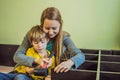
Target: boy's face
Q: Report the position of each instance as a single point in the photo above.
(40, 46)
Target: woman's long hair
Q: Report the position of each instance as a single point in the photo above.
(53, 13)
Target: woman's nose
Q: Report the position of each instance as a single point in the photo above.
(50, 31)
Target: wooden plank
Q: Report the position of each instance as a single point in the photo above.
(74, 75)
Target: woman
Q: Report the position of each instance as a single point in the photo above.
(61, 44)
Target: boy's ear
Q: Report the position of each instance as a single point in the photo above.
(31, 43)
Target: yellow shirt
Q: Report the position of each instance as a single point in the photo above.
(32, 53)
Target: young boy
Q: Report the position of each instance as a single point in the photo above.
(38, 50)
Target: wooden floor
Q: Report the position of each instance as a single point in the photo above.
(6, 69)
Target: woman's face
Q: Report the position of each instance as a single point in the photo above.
(51, 27)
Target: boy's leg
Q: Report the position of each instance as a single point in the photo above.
(7, 76)
(22, 77)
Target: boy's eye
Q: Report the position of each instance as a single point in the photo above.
(42, 41)
(36, 42)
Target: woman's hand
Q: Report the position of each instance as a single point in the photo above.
(64, 66)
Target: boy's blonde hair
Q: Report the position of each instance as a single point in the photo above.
(36, 34)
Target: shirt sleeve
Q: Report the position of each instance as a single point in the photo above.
(20, 57)
(78, 57)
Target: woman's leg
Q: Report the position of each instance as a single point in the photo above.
(22, 77)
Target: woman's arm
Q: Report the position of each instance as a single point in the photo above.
(76, 60)
(78, 57)
(20, 57)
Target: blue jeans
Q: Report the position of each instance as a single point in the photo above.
(14, 76)
(22, 77)
(7, 76)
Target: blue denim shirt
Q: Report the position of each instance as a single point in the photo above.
(69, 52)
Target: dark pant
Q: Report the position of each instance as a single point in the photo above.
(14, 76)
(7, 76)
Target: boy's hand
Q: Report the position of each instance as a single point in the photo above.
(42, 61)
(29, 70)
(49, 63)
(48, 77)
(38, 61)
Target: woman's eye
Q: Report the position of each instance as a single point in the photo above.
(47, 28)
(54, 28)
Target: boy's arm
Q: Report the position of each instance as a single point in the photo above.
(29, 70)
(48, 77)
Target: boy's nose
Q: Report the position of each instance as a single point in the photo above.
(40, 44)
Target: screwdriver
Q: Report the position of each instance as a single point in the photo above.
(50, 56)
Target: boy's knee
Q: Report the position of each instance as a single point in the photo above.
(20, 77)
(4, 76)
